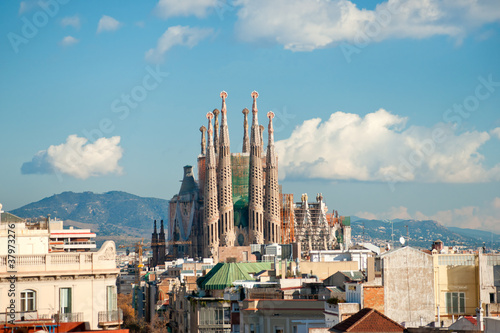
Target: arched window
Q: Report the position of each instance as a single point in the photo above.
(28, 300)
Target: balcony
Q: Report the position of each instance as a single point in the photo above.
(22, 316)
(83, 262)
(68, 317)
(110, 318)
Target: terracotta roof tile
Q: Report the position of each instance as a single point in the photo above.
(368, 320)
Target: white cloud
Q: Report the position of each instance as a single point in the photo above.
(302, 25)
(107, 23)
(177, 35)
(69, 40)
(496, 132)
(171, 8)
(71, 21)
(379, 147)
(486, 216)
(78, 158)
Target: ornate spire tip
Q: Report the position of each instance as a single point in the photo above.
(223, 94)
(210, 115)
(255, 94)
(270, 115)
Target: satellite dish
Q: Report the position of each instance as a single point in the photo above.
(402, 240)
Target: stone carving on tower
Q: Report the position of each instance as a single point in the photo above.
(225, 181)
(256, 186)
(246, 139)
(272, 228)
(211, 207)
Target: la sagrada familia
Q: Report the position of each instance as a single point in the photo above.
(236, 200)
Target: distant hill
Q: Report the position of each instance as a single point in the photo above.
(126, 218)
(116, 215)
(421, 233)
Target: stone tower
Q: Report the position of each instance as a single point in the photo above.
(154, 247)
(246, 140)
(256, 189)
(211, 208)
(216, 130)
(261, 132)
(161, 245)
(225, 181)
(203, 129)
(272, 226)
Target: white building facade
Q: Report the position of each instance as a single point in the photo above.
(64, 286)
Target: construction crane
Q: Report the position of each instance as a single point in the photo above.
(139, 248)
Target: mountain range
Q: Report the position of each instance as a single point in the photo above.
(420, 233)
(126, 218)
(119, 216)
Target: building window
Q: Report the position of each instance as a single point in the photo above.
(111, 298)
(492, 297)
(65, 300)
(455, 303)
(236, 307)
(28, 300)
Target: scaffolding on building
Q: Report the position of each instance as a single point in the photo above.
(287, 219)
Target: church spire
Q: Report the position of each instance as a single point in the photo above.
(225, 181)
(210, 210)
(255, 195)
(154, 246)
(272, 196)
(203, 129)
(246, 139)
(216, 130)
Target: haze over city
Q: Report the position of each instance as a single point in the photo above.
(390, 109)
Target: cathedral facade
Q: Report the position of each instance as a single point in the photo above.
(236, 200)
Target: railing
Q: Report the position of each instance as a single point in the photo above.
(107, 318)
(53, 262)
(30, 260)
(17, 316)
(68, 317)
(64, 259)
(80, 243)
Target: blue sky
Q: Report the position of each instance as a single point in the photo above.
(389, 109)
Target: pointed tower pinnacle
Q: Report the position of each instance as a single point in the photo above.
(211, 208)
(203, 129)
(255, 195)
(161, 245)
(225, 181)
(216, 130)
(261, 130)
(246, 139)
(272, 196)
(154, 246)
